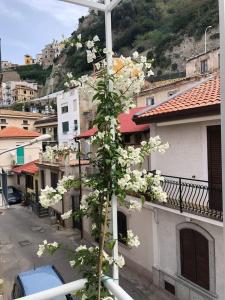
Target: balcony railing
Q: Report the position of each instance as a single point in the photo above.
(194, 196)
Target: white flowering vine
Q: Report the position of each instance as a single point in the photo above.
(111, 89)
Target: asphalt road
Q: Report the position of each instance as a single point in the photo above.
(20, 234)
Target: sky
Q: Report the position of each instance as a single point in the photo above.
(26, 26)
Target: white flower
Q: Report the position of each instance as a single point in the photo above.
(66, 215)
(98, 66)
(69, 75)
(81, 247)
(79, 37)
(135, 55)
(90, 44)
(150, 73)
(72, 263)
(143, 59)
(84, 297)
(41, 250)
(120, 261)
(96, 38)
(135, 205)
(132, 239)
(78, 45)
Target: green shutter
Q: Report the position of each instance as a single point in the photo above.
(65, 126)
(20, 156)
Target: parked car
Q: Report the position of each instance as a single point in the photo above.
(37, 280)
(14, 195)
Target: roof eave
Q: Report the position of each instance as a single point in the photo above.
(180, 114)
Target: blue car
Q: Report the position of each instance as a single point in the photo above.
(37, 280)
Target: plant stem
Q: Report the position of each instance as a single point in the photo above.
(101, 248)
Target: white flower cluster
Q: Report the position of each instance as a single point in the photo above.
(134, 156)
(132, 239)
(50, 196)
(66, 215)
(134, 205)
(46, 245)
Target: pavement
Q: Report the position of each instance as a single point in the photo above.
(21, 231)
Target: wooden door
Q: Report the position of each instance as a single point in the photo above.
(214, 167)
(194, 255)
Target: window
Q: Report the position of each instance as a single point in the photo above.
(25, 122)
(194, 257)
(75, 125)
(171, 93)
(2, 127)
(26, 128)
(29, 182)
(64, 109)
(122, 227)
(42, 179)
(150, 101)
(65, 127)
(20, 156)
(24, 92)
(43, 130)
(204, 66)
(54, 180)
(3, 121)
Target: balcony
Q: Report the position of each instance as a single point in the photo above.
(194, 196)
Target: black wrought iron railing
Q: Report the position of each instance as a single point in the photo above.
(194, 196)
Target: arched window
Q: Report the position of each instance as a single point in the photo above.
(194, 257)
(122, 227)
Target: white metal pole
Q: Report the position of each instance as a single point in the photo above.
(222, 85)
(108, 37)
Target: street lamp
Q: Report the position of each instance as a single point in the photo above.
(107, 6)
(207, 28)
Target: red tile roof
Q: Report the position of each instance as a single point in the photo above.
(15, 132)
(127, 125)
(29, 168)
(203, 98)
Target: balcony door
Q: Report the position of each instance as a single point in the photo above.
(214, 167)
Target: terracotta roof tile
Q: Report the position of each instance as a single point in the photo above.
(127, 125)
(29, 168)
(15, 132)
(203, 95)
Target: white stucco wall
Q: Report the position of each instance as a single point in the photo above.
(167, 244)
(70, 99)
(187, 154)
(8, 159)
(139, 259)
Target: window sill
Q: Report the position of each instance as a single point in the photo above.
(196, 287)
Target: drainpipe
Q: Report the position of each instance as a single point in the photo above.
(80, 187)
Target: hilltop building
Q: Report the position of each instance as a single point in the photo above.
(204, 63)
(18, 91)
(28, 60)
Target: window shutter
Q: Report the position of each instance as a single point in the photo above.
(187, 251)
(194, 252)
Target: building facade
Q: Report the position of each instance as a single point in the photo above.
(19, 119)
(13, 90)
(49, 125)
(23, 93)
(188, 231)
(204, 63)
(68, 116)
(13, 137)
